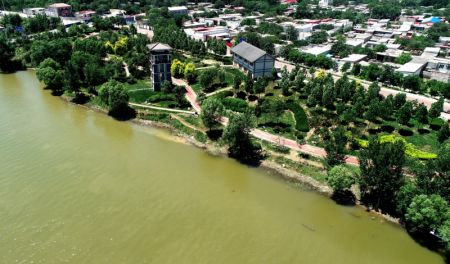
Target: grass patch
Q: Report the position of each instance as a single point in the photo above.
(305, 169)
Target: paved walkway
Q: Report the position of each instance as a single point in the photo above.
(163, 108)
(219, 91)
(263, 135)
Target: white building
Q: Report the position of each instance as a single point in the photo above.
(205, 33)
(411, 68)
(178, 10)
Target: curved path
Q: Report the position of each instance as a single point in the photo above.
(263, 135)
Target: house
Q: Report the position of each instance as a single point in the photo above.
(438, 69)
(59, 10)
(252, 60)
(178, 10)
(412, 68)
(160, 61)
(85, 15)
(318, 50)
(354, 58)
(205, 33)
(31, 12)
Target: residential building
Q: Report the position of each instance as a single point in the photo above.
(31, 12)
(59, 10)
(160, 61)
(178, 10)
(317, 50)
(252, 60)
(412, 68)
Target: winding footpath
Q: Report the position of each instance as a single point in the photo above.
(263, 135)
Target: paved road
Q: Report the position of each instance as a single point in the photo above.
(263, 135)
(385, 91)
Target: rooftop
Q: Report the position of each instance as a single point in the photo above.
(158, 46)
(59, 5)
(410, 67)
(248, 51)
(354, 58)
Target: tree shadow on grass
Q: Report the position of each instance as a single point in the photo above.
(123, 113)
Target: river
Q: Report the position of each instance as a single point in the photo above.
(79, 187)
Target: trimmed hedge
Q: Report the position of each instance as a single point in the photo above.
(301, 120)
(410, 150)
(235, 104)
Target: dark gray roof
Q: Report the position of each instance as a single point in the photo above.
(248, 51)
(158, 46)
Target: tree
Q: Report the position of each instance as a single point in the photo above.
(405, 195)
(422, 114)
(189, 72)
(237, 137)
(356, 70)
(237, 82)
(346, 67)
(436, 108)
(212, 109)
(260, 85)
(399, 100)
(210, 77)
(177, 68)
(113, 94)
(443, 133)
(412, 82)
(404, 114)
(249, 83)
(444, 233)
(328, 97)
(373, 92)
(335, 146)
(403, 58)
(291, 33)
(426, 213)
(340, 178)
(381, 166)
(6, 54)
(373, 111)
(51, 73)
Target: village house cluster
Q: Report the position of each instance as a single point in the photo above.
(226, 23)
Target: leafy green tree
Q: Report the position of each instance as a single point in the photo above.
(443, 133)
(403, 58)
(335, 146)
(340, 178)
(373, 111)
(212, 109)
(113, 94)
(381, 166)
(237, 137)
(237, 82)
(405, 195)
(260, 85)
(444, 233)
(346, 67)
(373, 92)
(356, 70)
(404, 114)
(177, 68)
(190, 73)
(422, 114)
(426, 213)
(249, 83)
(51, 73)
(387, 106)
(328, 97)
(412, 82)
(436, 108)
(6, 54)
(399, 100)
(291, 33)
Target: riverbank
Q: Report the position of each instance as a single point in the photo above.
(270, 165)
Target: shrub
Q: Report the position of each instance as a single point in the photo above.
(235, 104)
(301, 120)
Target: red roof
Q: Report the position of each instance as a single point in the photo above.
(289, 1)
